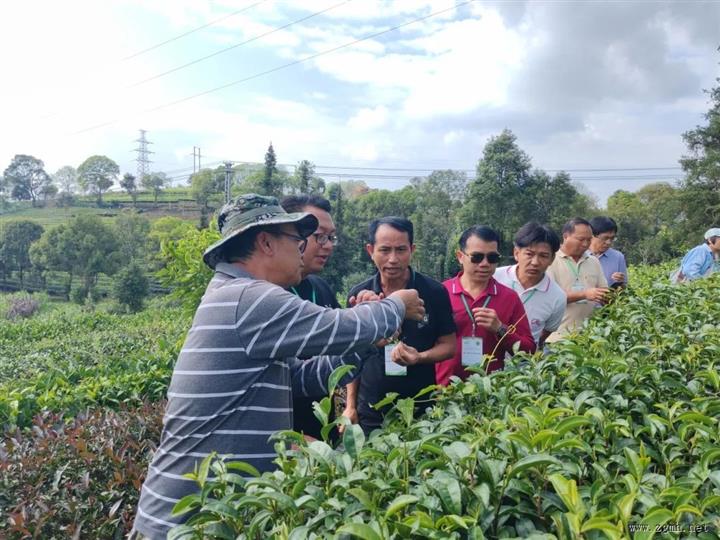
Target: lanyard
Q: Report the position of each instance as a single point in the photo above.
(528, 297)
(296, 293)
(575, 270)
(467, 309)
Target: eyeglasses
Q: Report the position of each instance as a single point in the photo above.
(302, 242)
(476, 258)
(606, 239)
(323, 239)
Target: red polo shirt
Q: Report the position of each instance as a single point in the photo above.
(510, 310)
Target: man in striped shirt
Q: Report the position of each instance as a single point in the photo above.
(232, 384)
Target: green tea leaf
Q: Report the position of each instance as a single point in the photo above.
(353, 440)
(533, 461)
(360, 530)
(399, 503)
(337, 374)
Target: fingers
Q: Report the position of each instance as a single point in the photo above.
(352, 301)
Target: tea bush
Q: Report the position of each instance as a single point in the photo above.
(22, 305)
(70, 359)
(79, 479)
(615, 434)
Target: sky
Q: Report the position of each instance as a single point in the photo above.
(374, 90)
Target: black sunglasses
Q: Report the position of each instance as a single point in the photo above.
(477, 258)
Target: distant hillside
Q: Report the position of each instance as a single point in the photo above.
(175, 202)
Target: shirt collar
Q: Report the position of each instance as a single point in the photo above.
(543, 285)
(564, 255)
(232, 270)
(377, 284)
(457, 287)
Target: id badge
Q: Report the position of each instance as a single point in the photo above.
(391, 368)
(472, 351)
(577, 286)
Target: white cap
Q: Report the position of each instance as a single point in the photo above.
(715, 231)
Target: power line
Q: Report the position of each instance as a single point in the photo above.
(283, 66)
(185, 34)
(231, 47)
(175, 38)
(431, 169)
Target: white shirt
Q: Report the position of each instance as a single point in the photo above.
(544, 303)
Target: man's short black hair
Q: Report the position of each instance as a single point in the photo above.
(241, 247)
(535, 233)
(603, 224)
(569, 227)
(398, 223)
(295, 203)
(483, 232)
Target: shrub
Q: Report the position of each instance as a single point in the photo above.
(76, 480)
(131, 287)
(615, 434)
(184, 271)
(22, 307)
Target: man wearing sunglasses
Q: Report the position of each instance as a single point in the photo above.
(313, 288)
(490, 318)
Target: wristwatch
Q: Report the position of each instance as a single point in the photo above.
(501, 331)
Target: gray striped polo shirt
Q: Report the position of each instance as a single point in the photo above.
(233, 381)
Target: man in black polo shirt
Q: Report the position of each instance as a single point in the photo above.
(312, 287)
(407, 367)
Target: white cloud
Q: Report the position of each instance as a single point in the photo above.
(369, 118)
(366, 151)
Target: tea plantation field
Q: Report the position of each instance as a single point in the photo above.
(614, 434)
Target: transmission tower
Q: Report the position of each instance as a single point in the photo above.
(228, 180)
(143, 161)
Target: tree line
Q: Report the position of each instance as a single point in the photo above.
(656, 223)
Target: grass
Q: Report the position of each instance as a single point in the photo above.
(49, 217)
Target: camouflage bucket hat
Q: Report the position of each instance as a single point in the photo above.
(252, 210)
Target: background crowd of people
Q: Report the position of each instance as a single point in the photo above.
(269, 330)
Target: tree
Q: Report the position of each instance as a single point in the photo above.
(48, 191)
(3, 192)
(155, 182)
(66, 179)
(84, 246)
(269, 171)
(507, 193)
(164, 230)
(129, 184)
(497, 197)
(436, 200)
(701, 186)
(303, 174)
(16, 237)
(131, 287)
(132, 231)
(27, 177)
(97, 174)
(207, 185)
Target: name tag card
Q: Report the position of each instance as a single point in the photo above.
(391, 368)
(472, 351)
(577, 286)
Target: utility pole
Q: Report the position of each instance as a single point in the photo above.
(228, 180)
(143, 159)
(196, 155)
